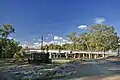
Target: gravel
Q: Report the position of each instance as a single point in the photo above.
(60, 72)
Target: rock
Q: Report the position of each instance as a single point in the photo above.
(67, 69)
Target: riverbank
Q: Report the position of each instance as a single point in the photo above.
(99, 69)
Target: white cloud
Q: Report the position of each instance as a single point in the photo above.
(65, 40)
(118, 35)
(53, 42)
(99, 20)
(60, 38)
(33, 39)
(15, 39)
(44, 43)
(36, 43)
(39, 40)
(10, 37)
(57, 38)
(82, 26)
(46, 38)
(49, 34)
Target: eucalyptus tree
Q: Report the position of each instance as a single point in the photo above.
(46, 47)
(104, 36)
(98, 37)
(84, 40)
(19, 55)
(11, 47)
(111, 38)
(66, 46)
(5, 31)
(7, 46)
(72, 37)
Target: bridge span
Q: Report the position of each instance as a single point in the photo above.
(73, 54)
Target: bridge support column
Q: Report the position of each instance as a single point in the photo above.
(83, 56)
(103, 55)
(79, 55)
(54, 55)
(60, 55)
(66, 55)
(95, 56)
(57, 55)
(50, 55)
(89, 56)
(74, 55)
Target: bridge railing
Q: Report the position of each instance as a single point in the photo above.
(73, 52)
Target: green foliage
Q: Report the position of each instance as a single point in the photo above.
(66, 46)
(72, 37)
(98, 37)
(7, 46)
(19, 55)
(6, 30)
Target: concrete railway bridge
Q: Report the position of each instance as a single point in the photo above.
(73, 54)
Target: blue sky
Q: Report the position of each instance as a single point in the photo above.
(33, 18)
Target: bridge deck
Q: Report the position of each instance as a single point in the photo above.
(73, 52)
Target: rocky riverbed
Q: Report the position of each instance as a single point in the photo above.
(75, 70)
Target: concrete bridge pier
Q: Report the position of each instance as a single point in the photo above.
(57, 55)
(50, 55)
(103, 55)
(92, 56)
(54, 55)
(83, 56)
(66, 55)
(89, 56)
(60, 55)
(74, 55)
(95, 56)
(79, 55)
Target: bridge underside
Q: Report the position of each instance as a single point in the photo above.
(76, 55)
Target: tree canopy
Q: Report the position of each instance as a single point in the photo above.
(98, 37)
(8, 47)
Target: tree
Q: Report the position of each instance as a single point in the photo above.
(51, 46)
(66, 46)
(103, 36)
(19, 55)
(98, 37)
(5, 31)
(8, 46)
(11, 48)
(72, 37)
(46, 47)
(84, 40)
